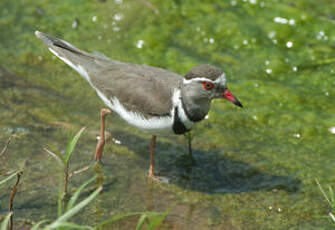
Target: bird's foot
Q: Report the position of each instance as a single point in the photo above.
(159, 179)
(98, 160)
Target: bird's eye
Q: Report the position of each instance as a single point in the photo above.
(208, 85)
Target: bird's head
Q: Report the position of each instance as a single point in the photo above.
(206, 82)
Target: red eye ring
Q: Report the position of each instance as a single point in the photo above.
(208, 85)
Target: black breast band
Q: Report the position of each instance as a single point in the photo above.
(178, 126)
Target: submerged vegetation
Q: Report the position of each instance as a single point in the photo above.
(67, 208)
(330, 198)
(259, 161)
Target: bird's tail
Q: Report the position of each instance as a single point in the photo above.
(79, 60)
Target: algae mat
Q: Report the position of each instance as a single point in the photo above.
(255, 167)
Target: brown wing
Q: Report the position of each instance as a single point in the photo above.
(139, 88)
(143, 89)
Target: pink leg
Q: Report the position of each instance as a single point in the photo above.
(101, 142)
(151, 174)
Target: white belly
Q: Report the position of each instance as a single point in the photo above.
(154, 125)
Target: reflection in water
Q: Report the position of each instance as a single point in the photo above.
(211, 172)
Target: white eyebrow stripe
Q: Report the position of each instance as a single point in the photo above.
(221, 79)
(186, 81)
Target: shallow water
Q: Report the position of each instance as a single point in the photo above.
(255, 167)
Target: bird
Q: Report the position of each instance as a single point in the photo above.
(152, 99)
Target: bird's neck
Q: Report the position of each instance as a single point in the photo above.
(195, 110)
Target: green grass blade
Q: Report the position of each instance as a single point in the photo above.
(74, 210)
(72, 145)
(37, 225)
(141, 222)
(156, 221)
(75, 196)
(8, 178)
(5, 222)
(323, 192)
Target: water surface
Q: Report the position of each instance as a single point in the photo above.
(255, 167)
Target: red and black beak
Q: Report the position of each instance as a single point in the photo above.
(230, 97)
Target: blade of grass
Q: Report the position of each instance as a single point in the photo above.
(72, 144)
(323, 192)
(12, 196)
(4, 150)
(5, 222)
(83, 169)
(141, 221)
(59, 158)
(75, 196)
(332, 216)
(74, 210)
(37, 225)
(157, 220)
(8, 178)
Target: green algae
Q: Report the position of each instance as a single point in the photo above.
(255, 167)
